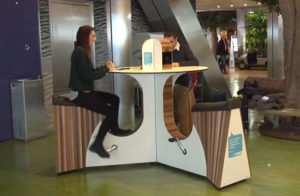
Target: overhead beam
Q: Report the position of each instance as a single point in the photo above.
(179, 15)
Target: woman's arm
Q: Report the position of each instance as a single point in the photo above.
(85, 68)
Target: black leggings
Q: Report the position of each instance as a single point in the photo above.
(222, 63)
(102, 103)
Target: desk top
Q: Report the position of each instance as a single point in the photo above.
(138, 70)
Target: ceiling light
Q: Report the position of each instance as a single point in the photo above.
(231, 5)
(259, 3)
(218, 6)
(245, 4)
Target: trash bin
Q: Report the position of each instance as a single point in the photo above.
(28, 111)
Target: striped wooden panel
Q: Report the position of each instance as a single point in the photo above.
(169, 111)
(212, 128)
(74, 127)
(48, 94)
(46, 62)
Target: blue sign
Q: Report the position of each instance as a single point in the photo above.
(147, 58)
(235, 145)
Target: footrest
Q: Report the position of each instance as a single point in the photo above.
(182, 148)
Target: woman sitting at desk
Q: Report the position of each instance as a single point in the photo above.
(82, 93)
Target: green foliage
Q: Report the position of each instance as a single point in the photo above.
(215, 19)
(256, 33)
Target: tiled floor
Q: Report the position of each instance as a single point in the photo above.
(29, 169)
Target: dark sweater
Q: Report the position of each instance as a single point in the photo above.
(82, 73)
(222, 47)
(184, 57)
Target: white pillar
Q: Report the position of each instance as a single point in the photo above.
(121, 39)
(275, 46)
(241, 30)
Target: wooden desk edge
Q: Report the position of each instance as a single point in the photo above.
(173, 70)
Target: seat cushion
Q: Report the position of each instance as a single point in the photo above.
(61, 100)
(217, 106)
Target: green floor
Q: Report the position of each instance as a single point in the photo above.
(29, 169)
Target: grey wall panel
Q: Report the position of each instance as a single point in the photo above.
(121, 31)
(121, 36)
(66, 18)
(139, 22)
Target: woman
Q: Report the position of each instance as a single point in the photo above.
(82, 93)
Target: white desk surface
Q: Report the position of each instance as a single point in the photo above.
(138, 70)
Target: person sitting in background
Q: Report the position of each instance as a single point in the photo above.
(82, 93)
(183, 96)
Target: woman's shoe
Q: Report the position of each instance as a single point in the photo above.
(99, 150)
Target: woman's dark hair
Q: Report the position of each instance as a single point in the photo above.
(82, 38)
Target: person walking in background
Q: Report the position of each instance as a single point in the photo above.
(222, 51)
(82, 93)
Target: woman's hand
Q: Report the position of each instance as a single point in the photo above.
(110, 65)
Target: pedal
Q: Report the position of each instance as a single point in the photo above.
(181, 147)
(112, 148)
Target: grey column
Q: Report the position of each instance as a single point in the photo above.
(241, 30)
(121, 39)
(275, 46)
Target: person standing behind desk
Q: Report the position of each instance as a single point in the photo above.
(82, 93)
(222, 51)
(182, 56)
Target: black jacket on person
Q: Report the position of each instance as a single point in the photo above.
(184, 57)
(83, 73)
(222, 48)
